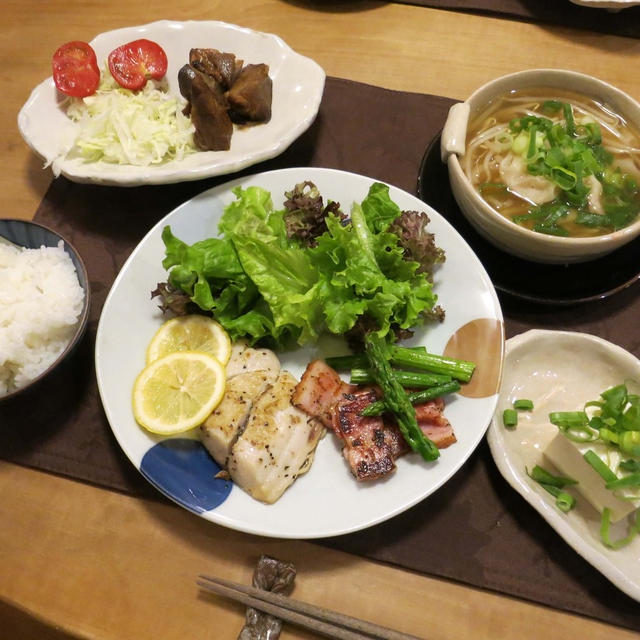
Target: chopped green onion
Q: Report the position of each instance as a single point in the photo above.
(595, 135)
(567, 152)
(629, 442)
(539, 474)
(568, 116)
(510, 417)
(564, 501)
(555, 157)
(535, 213)
(606, 434)
(600, 467)
(632, 480)
(615, 398)
(563, 178)
(574, 424)
(551, 106)
(551, 229)
(554, 485)
(531, 150)
(568, 419)
(630, 465)
(605, 525)
(523, 404)
(593, 220)
(520, 143)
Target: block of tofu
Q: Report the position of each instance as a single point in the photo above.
(567, 457)
(277, 445)
(221, 429)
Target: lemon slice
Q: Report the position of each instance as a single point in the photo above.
(178, 392)
(190, 333)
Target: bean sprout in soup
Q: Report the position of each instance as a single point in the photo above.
(555, 162)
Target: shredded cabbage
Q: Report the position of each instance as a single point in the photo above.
(130, 127)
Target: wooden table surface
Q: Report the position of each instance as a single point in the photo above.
(77, 561)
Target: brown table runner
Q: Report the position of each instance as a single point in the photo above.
(475, 529)
(561, 13)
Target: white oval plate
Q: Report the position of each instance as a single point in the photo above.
(327, 500)
(560, 371)
(298, 83)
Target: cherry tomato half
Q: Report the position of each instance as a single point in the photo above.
(75, 69)
(134, 63)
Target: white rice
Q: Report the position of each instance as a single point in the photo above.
(40, 304)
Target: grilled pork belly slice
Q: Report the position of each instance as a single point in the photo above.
(221, 429)
(277, 445)
(371, 445)
(433, 423)
(318, 391)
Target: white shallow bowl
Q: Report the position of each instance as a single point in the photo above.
(298, 84)
(561, 370)
(503, 233)
(327, 500)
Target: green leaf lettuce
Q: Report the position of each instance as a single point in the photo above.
(261, 284)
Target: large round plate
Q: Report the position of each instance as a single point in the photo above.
(298, 83)
(560, 371)
(327, 500)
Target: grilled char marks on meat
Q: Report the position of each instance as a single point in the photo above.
(371, 445)
(319, 390)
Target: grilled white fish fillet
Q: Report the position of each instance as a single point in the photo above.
(277, 445)
(245, 358)
(221, 429)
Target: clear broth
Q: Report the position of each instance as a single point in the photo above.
(483, 160)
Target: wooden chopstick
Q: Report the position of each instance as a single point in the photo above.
(324, 621)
